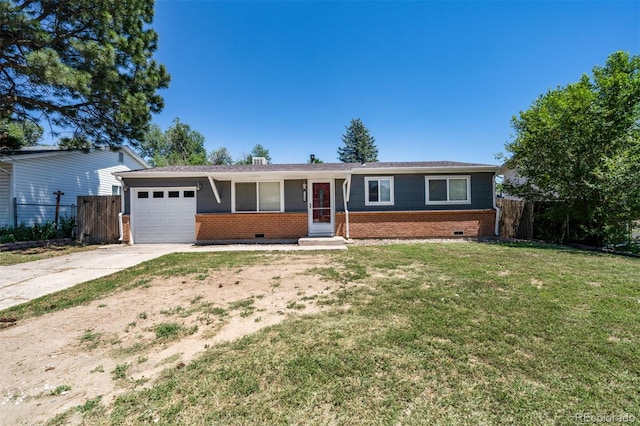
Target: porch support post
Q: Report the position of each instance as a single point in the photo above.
(215, 188)
(346, 191)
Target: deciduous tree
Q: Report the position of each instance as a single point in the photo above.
(257, 151)
(220, 157)
(15, 135)
(177, 146)
(579, 148)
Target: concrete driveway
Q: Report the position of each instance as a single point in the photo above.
(26, 281)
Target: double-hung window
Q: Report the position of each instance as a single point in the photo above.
(448, 189)
(378, 191)
(257, 196)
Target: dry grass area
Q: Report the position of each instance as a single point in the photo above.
(123, 341)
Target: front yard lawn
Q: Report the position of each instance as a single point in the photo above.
(434, 334)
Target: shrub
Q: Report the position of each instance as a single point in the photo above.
(7, 238)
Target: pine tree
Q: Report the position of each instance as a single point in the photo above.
(85, 66)
(359, 145)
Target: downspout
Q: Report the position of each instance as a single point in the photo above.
(495, 206)
(120, 224)
(346, 191)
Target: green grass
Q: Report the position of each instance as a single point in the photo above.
(29, 255)
(59, 390)
(439, 334)
(120, 371)
(91, 338)
(433, 334)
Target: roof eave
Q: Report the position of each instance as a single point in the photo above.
(289, 174)
(429, 170)
(305, 174)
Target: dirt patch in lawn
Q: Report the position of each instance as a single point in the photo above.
(64, 359)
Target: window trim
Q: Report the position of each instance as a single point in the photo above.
(391, 201)
(447, 178)
(257, 182)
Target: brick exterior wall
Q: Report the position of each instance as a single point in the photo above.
(245, 226)
(423, 224)
(126, 229)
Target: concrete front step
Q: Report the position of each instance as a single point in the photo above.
(321, 241)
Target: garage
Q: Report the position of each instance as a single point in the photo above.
(163, 215)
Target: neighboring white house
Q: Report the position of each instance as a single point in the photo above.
(30, 177)
(511, 175)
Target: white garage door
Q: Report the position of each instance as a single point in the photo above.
(163, 215)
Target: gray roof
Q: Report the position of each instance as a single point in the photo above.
(321, 167)
(54, 150)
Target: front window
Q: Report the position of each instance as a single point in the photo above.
(258, 196)
(378, 191)
(448, 189)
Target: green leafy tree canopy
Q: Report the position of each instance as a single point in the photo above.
(220, 157)
(85, 66)
(15, 135)
(257, 151)
(579, 147)
(359, 145)
(179, 145)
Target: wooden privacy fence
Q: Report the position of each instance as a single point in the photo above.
(98, 219)
(516, 219)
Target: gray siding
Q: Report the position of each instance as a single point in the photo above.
(293, 201)
(339, 198)
(409, 194)
(206, 201)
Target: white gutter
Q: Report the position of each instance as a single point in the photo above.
(422, 170)
(346, 191)
(305, 174)
(495, 206)
(215, 188)
(120, 224)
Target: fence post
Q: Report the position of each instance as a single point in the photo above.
(57, 194)
(15, 212)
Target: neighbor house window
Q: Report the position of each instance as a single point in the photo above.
(115, 189)
(378, 191)
(448, 189)
(258, 196)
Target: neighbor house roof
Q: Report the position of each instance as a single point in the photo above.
(319, 169)
(50, 151)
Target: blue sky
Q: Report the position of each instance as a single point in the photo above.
(432, 80)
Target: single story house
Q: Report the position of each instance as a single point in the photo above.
(204, 204)
(30, 179)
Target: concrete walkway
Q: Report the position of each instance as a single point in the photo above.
(26, 281)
